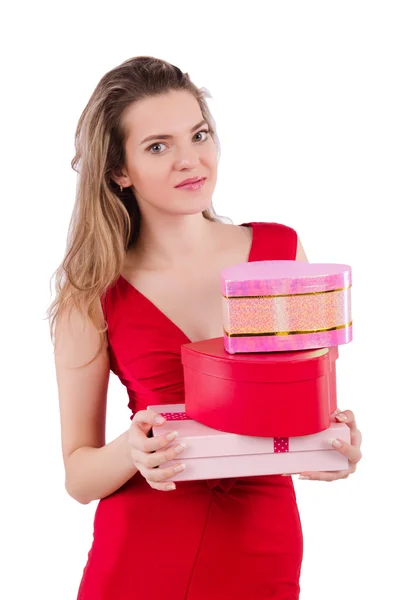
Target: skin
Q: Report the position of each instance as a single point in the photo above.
(177, 247)
(351, 451)
(176, 264)
(172, 225)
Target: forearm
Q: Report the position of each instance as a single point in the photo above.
(93, 473)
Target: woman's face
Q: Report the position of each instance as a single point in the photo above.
(154, 167)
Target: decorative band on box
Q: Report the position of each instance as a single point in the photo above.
(288, 332)
(278, 299)
(288, 295)
(298, 313)
(280, 444)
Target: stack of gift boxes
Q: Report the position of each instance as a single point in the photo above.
(258, 401)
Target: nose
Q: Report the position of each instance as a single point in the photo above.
(187, 157)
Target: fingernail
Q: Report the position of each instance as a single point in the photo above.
(336, 443)
(304, 477)
(171, 486)
(179, 468)
(341, 417)
(180, 448)
(159, 420)
(172, 435)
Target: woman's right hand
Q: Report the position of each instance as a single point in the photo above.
(149, 453)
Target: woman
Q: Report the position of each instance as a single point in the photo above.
(141, 278)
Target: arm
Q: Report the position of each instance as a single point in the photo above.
(93, 469)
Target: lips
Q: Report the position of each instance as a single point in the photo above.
(191, 180)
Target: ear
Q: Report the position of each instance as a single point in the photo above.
(120, 178)
(300, 253)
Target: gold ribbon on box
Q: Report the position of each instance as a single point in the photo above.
(344, 326)
(287, 295)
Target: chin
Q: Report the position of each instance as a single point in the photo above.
(196, 207)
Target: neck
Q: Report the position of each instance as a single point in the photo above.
(166, 241)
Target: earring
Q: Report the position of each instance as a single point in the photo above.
(121, 188)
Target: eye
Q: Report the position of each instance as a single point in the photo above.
(202, 131)
(153, 146)
(161, 144)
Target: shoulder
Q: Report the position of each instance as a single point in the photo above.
(300, 252)
(273, 228)
(279, 239)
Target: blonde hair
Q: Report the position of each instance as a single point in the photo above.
(105, 222)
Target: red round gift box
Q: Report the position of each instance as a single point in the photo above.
(272, 394)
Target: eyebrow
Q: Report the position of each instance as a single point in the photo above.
(165, 136)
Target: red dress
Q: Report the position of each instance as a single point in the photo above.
(229, 539)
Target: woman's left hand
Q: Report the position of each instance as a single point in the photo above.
(351, 451)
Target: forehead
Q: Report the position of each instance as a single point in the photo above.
(172, 113)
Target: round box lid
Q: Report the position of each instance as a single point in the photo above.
(283, 277)
(210, 357)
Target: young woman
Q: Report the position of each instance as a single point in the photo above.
(140, 278)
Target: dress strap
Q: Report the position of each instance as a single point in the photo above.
(273, 241)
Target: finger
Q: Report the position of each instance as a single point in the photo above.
(325, 475)
(167, 486)
(356, 438)
(355, 434)
(347, 417)
(336, 411)
(161, 474)
(152, 460)
(352, 453)
(140, 440)
(146, 419)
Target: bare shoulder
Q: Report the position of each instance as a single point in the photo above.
(300, 252)
(232, 245)
(241, 236)
(235, 234)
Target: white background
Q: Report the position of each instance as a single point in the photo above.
(304, 97)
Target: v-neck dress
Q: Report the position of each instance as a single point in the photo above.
(219, 539)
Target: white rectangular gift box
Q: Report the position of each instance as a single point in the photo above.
(212, 454)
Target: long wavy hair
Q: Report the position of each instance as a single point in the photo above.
(105, 222)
